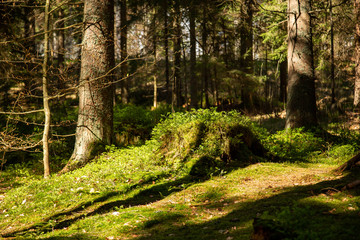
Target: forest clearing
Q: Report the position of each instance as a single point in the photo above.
(170, 119)
(165, 190)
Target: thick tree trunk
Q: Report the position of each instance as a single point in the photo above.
(46, 134)
(193, 81)
(357, 54)
(301, 103)
(95, 120)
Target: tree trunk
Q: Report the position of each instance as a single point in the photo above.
(166, 46)
(155, 59)
(95, 120)
(61, 35)
(225, 54)
(357, 54)
(46, 134)
(246, 33)
(29, 29)
(267, 80)
(246, 50)
(332, 54)
(301, 103)
(117, 51)
(176, 100)
(123, 53)
(193, 81)
(205, 58)
(283, 81)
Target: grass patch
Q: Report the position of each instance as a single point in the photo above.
(150, 191)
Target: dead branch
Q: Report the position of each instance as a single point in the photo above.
(22, 113)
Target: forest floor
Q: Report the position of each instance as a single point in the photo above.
(97, 202)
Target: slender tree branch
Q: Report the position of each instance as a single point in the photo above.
(22, 113)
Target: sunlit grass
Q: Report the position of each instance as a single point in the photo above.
(134, 193)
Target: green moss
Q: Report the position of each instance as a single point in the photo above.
(202, 142)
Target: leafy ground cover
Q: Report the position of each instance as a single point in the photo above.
(157, 191)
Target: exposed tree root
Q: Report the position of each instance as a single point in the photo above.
(353, 162)
(350, 164)
(351, 185)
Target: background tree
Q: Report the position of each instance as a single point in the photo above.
(233, 53)
(193, 80)
(46, 134)
(357, 53)
(124, 81)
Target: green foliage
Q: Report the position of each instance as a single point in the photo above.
(146, 190)
(274, 12)
(294, 144)
(209, 117)
(340, 151)
(133, 124)
(198, 143)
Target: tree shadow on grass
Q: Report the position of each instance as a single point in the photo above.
(314, 220)
(144, 197)
(78, 236)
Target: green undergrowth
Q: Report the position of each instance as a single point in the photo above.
(133, 124)
(204, 142)
(203, 175)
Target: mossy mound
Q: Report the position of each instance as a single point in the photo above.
(203, 142)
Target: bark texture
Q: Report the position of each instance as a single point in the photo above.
(246, 49)
(205, 57)
(95, 121)
(176, 96)
(46, 133)
(246, 40)
(29, 30)
(301, 103)
(166, 46)
(283, 81)
(357, 54)
(154, 37)
(60, 35)
(123, 52)
(193, 81)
